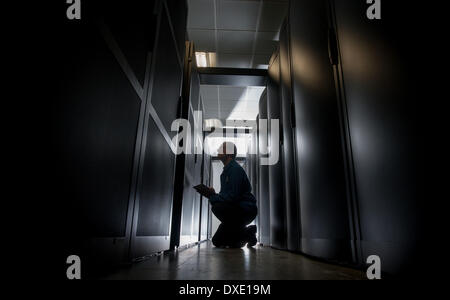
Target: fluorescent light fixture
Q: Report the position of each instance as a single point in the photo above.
(205, 59)
(212, 59)
(210, 123)
(201, 59)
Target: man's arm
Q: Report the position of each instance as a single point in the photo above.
(232, 190)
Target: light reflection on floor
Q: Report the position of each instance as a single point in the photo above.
(205, 262)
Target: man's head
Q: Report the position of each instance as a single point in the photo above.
(227, 152)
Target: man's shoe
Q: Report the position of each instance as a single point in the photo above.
(237, 245)
(251, 235)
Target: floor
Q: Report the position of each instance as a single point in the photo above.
(205, 262)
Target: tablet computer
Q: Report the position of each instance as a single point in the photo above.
(203, 190)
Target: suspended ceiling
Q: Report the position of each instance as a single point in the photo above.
(242, 33)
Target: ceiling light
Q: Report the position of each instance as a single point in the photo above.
(201, 59)
(206, 59)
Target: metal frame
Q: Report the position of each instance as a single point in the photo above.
(291, 126)
(353, 209)
(233, 76)
(180, 171)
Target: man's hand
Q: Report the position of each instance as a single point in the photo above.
(212, 190)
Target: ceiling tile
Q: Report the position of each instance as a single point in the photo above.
(235, 41)
(209, 96)
(204, 40)
(254, 93)
(209, 91)
(210, 115)
(231, 92)
(233, 60)
(201, 14)
(237, 14)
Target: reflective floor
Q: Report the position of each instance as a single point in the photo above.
(205, 262)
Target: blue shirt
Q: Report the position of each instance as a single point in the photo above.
(234, 187)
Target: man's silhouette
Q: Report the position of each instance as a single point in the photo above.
(235, 205)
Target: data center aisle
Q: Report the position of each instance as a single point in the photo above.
(205, 262)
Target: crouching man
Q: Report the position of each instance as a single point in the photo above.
(235, 205)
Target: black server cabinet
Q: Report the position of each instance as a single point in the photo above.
(256, 186)
(255, 179)
(204, 178)
(205, 208)
(251, 161)
(276, 192)
(95, 129)
(191, 199)
(319, 153)
(178, 11)
(287, 139)
(264, 189)
(254, 161)
(109, 130)
(155, 186)
(208, 180)
(380, 81)
(194, 209)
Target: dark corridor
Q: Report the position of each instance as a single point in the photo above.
(323, 105)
